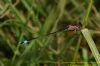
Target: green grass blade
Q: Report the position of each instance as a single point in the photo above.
(85, 20)
(85, 56)
(18, 15)
(92, 45)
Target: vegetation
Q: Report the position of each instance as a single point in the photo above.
(22, 20)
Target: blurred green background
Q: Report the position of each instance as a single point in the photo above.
(25, 19)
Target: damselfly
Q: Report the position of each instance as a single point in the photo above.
(70, 27)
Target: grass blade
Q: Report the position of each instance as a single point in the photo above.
(92, 45)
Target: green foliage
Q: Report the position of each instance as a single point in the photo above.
(25, 19)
